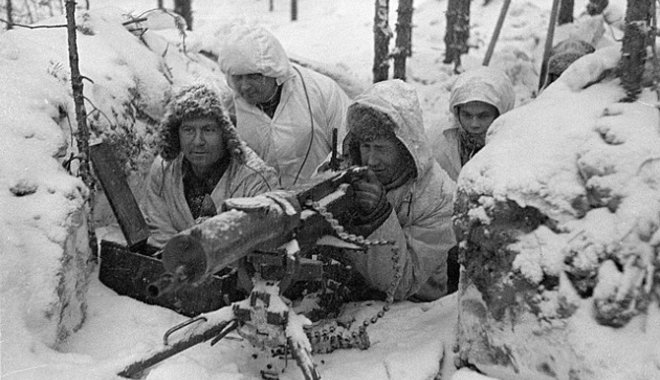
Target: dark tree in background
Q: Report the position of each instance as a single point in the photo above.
(271, 6)
(382, 35)
(160, 4)
(184, 8)
(294, 10)
(566, 12)
(10, 17)
(637, 38)
(596, 7)
(457, 32)
(403, 38)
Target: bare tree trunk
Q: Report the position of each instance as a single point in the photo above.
(184, 8)
(82, 131)
(596, 7)
(10, 17)
(160, 4)
(566, 12)
(636, 39)
(457, 31)
(271, 6)
(382, 35)
(294, 10)
(403, 38)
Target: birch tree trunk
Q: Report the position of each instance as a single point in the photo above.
(566, 12)
(403, 38)
(10, 17)
(636, 39)
(184, 8)
(382, 35)
(294, 10)
(457, 31)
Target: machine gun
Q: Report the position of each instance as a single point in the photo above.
(269, 232)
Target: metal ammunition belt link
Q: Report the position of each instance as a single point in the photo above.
(326, 339)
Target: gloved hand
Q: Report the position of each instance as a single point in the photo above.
(368, 193)
(373, 208)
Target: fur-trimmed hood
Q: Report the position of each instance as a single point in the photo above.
(196, 101)
(398, 101)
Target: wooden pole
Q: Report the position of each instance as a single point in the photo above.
(548, 43)
(496, 32)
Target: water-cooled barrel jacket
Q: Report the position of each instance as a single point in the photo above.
(420, 223)
(307, 98)
(484, 84)
(166, 210)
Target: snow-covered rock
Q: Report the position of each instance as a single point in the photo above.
(559, 218)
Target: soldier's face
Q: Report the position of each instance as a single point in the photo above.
(254, 88)
(202, 142)
(384, 157)
(475, 117)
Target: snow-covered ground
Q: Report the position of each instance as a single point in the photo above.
(412, 341)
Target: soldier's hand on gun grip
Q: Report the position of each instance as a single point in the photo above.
(371, 201)
(369, 193)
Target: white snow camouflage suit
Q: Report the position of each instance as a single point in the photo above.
(284, 141)
(165, 208)
(420, 222)
(483, 84)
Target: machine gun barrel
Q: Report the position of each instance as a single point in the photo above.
(264, 222)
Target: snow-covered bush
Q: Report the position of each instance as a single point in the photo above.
(559, 217)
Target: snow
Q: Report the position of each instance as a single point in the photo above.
(412, 341)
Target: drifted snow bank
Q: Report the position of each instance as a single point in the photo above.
(45, 261)
(559, 217)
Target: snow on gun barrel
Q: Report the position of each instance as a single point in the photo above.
(264, 222)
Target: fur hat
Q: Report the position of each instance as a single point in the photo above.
(366, 124)
(193, 102)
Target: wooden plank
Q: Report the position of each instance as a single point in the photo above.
(120, 196)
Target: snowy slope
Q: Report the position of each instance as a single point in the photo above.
(409, 342)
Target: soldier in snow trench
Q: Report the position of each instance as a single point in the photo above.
(406, 198)
(284, 112)
(202, 162)
(477, 98)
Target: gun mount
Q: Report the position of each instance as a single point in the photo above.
(269, 232)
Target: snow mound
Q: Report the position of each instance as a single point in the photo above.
(559, 216)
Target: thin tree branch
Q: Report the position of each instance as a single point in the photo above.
(33, 26)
